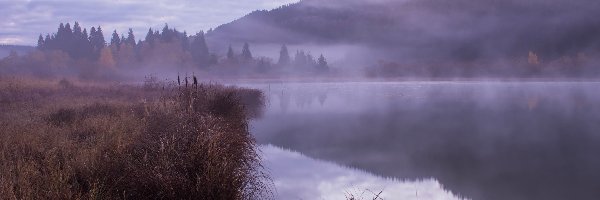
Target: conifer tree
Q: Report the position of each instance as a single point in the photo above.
(67, 44)
(115, 40)
(322, 63)
(300, 60)
(85, 43)
(40, 43)
(284, 56)
(246, 54)
(123, 39)
(84, 35)
(199, 50)
(230, 54)
(167, 34)
(130, 38)
(60, 35)
(185, 43)
(150, 37)
(92, 37)
(310, 60)
(101, 43)
(48, 42)
(77, 30)
(97, 42)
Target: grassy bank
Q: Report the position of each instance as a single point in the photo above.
(69, 140)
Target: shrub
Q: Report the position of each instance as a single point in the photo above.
(105, 144)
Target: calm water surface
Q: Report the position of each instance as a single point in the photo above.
(480, 140)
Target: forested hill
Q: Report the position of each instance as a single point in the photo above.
(465, 29)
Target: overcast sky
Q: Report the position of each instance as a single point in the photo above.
(22, 21)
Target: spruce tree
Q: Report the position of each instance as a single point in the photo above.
(77, 32)
(85, 44)
(246, 54)
(310, 60)
(300, 60)
(322, 63)
(92, 36)
(48, 43)
(284, 56)
(40, 43)
(68, 41)
(60, 34)
(166, 35)
(101, 43)
(123, 39)
(230, 54)
(97, 42)
(150, 37)
(199, 50)
(185, 42)
(130, 38)
(115, 40)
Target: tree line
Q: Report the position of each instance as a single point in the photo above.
(78, 44)
(73, 46)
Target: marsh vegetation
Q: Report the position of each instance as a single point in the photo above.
(77, 140)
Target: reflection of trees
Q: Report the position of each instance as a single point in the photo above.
(492, 149)
(284, 100)
(322, 96)
(302, 99)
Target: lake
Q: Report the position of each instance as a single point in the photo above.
(475, 140)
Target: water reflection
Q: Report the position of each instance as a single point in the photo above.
(298, 177)
(480, 140)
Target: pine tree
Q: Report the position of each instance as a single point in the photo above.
(150, 37)
(48, 43)
(68, 41)
(115, 40)
(77, 30)
(185, 43)
(230, 54)
(40, 43)
(60, 34)
(68, 32)
(246, 54)
(300, 60)
(322, 64)
(310, 60)
(79, 42)
(92, 33)
(85, 44)
(101, 43)
(60, 38)
(97, 42)
(123, 40)
(130, 38)
(199, 50)
(85, 35)
(284, 56)
(167, 34)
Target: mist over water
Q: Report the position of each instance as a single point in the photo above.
(480, 140)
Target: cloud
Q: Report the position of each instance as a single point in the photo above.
(24, 20)
(296, 176)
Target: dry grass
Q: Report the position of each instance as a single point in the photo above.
(355, 195)
(61, 140)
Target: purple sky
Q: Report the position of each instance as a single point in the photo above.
(23, 20)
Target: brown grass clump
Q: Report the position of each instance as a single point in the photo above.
(128, 142)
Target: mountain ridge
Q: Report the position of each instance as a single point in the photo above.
(461, 29)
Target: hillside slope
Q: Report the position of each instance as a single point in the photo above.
(462, 29)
